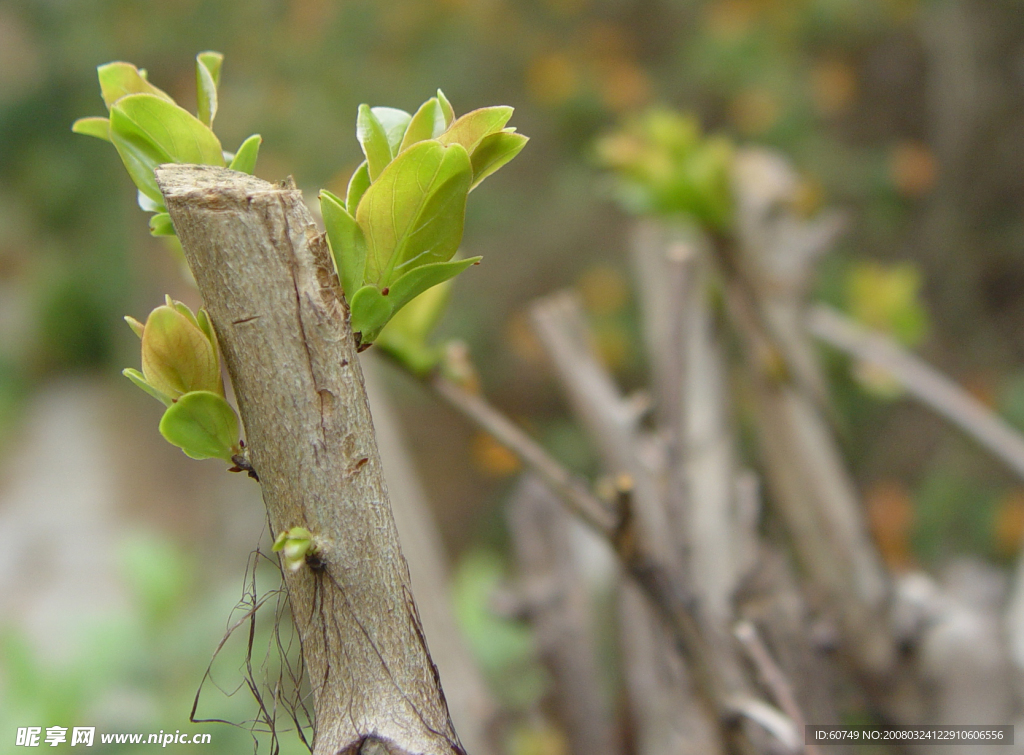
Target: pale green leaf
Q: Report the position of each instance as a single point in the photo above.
(98, 127)
(357, 186)
(148, 205)
(181, 308)
(405, 335)
(417, 318)
(136, 377)
(245, 158)
(171, 128)
(422, 277)
(177, 356)
(203, 319)
(414, 213)
(470, 129)
(395, 122)
(446, 109)
(139, 155)
(348, 246)
(493, 152)
(370, 311)
(203, 425)
(295, 533)
(135, 325)
(161, 225)
(374, 141)
(148, 131)
(118, 80)
(427, 123)
(207, 79)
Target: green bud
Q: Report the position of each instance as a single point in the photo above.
(294, 544)
(179, 353)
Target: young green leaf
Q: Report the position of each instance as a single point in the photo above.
(357, 186)
(207, 79)
(136, 377)
(148, 205)
(177, 356)
(395, 122)
(422, 277)
(182, 309)
(405, 335)
(169, 127)
(139, 155)
(203, 425)
(160, 225)
(345, 237)
(370, 311)
(98, 127)
(446, 109)
(427, 123)
(493, 152)
(414, 213)
(136, 326)
(148, 131)
(418, 318)
(118, 80)
(374, 141)
(203, 320)
(245, 158)
(470, 129)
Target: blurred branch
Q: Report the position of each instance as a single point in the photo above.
(773, 678)
(568, 487)
(662, 531)
(764, 270)
(691, 390)
(560, 614)
(923, 382)
(673, 603)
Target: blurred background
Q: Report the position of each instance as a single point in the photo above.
(124, 559)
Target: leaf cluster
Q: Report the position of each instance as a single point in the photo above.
(665, 166)
(148, 129)
(181, 369)
(393, 237)
(395, 233)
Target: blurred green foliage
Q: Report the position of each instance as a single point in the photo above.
(504, 648)
(667, 168)
(137, 669)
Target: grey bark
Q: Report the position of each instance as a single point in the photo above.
(473, 709)
(265, 275)
(560, 609)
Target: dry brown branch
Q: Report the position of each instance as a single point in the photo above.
(673, 604)
(264, 272)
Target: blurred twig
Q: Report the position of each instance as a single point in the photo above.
(560, 611)
(569, 488)
(923, 382)
(773, 677)
(657, 582)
